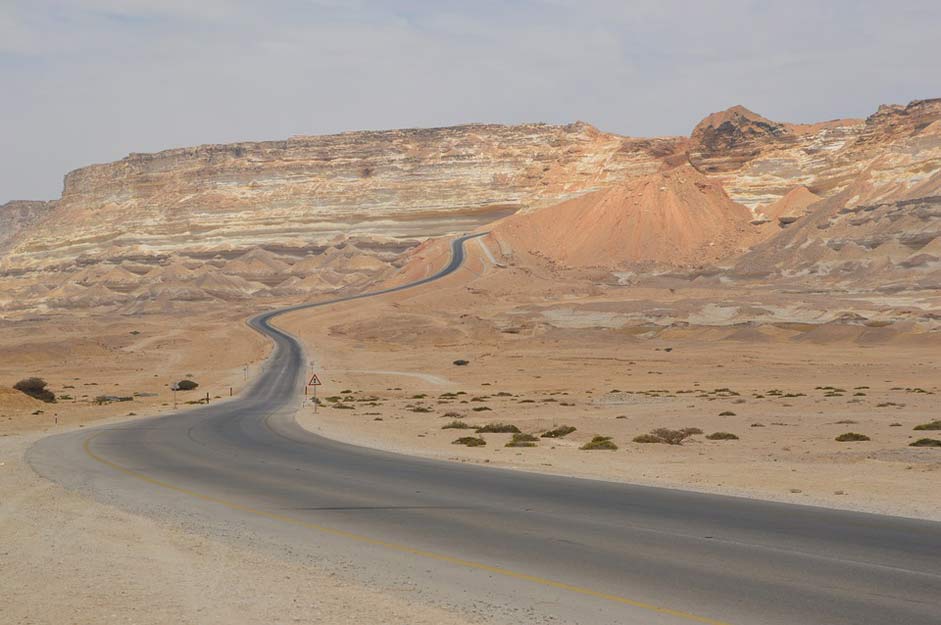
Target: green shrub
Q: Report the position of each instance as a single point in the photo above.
(726, 413)
(926, 442)
(599, 442)
(186, 385)
(931, 425)
(470, 441)
(498, 428)
(35, 388)
(722, 436)
(559, 432)
(480, 409)
(852, 437)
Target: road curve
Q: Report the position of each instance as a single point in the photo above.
(517, 547)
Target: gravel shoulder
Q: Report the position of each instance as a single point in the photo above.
(69, 559)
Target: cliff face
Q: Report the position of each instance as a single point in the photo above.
(305, 190)
(19, 216)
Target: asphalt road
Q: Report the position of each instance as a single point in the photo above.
(509, 546)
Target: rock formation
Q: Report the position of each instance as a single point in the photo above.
(847, 202)
(20, 216)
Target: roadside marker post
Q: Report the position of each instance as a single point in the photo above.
(313, 383)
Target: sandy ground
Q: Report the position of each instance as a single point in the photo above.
(83, 357)
(538, 365)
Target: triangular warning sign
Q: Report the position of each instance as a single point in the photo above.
(314, 381)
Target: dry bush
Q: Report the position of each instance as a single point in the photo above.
(599, 442)
(852, 437)
(470, 441)
(722, 436)
(35, 388)
(522, 440)
(498, 428)
(559, 432)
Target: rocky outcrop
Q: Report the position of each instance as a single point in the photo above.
(759, 161)
(18, 217)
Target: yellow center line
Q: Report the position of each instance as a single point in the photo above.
(398, 547)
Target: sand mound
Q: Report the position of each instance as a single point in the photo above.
(792, 204)
(256, 263)
(119, 277)
(227, 287)
(175, 271)
(11, 400)
(678, 217)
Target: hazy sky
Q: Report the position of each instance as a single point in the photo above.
(87, 81)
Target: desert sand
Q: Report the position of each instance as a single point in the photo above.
(600, 363)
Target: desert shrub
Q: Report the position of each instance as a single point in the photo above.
(670, 437)
(342, 406)
(498, 428)
(419, 396)
(460, 362)
(107, 399)
(647, 438)
(559, 432)
(456, 425)
(470, 441)
(420, 409)
(186, 385)
(691, 431)
(846, 422)
(726, 413)
(852, 437)
(599, 442)
(452, 415)
(931, 425)
(722, 436)
(480, 409)
(35, 388)
(926, 442)
(522, 440)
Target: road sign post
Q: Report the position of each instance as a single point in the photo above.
(313, 383)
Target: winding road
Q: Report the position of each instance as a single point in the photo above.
(511, 546)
